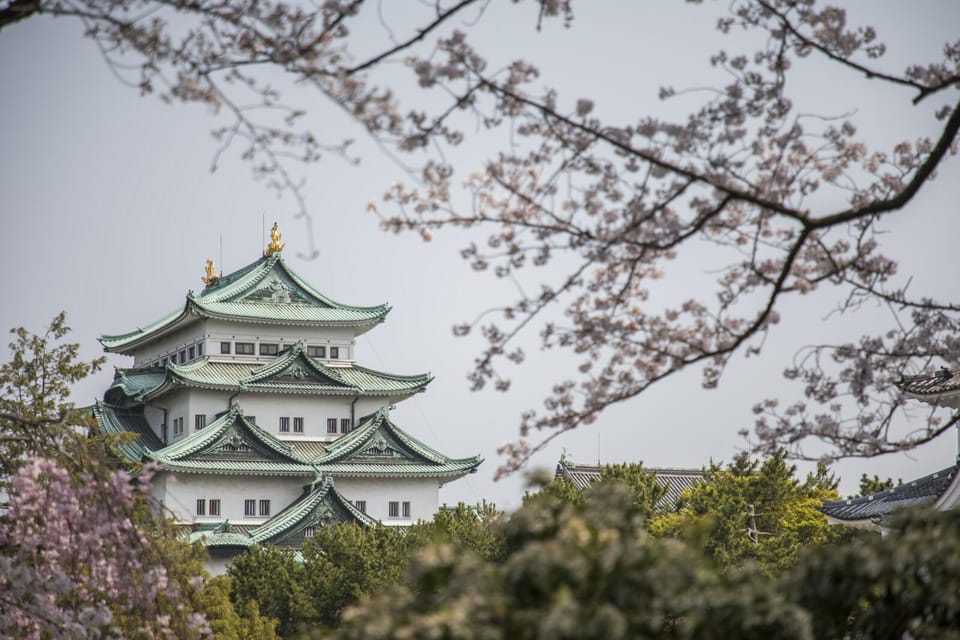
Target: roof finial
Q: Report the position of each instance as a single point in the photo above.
(275, 245)
(210, 273)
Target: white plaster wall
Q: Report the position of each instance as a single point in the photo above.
(422, 493)
(210, 333)
(183, 490)
(217, 331)
(155, 419)
(177, 405)
(192, 334)
(266, 408)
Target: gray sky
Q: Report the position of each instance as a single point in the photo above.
(109, 211)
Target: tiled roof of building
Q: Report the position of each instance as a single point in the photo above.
(118, 421)
(233, 445)
(320, 505)
(267, 292)
(378, 447)
(878, 506)
(941, 386)
(675, 480)
(290, 372)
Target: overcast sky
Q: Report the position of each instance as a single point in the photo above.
(110, 210)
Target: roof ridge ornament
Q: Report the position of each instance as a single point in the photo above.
(275, 246)
(210, 275)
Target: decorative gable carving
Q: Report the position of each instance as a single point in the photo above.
(276, 291)
(380, 447)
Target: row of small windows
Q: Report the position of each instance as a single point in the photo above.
(272, 349)
(250, 507)
(253, 508)
(395, 508)
(187, 354)
(334, 425)
(208, 507)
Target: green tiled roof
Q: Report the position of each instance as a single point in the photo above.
(377, 447)
(321, 505)
(114, 420)
(223, 534)
(213, 448)
(267, 291)
(291, 372)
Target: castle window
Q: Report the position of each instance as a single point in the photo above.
(331, 425)
(334, 353)
(191, 353)
(244, 348)
(264, 507)
(298, 425)
(177, 426)
(201, 507)
(183, 356)
(308, 532)
(393, 509)
(224, 347)
(200, 350)
(269, 349)
(317, 352)
(361, 505)
(406, 509)
(215, 507)
(345, 425)
(284, 425)
(199, 421)
(249, 507)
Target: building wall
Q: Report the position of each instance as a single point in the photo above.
(423, 494)
(265, 408)
(205, 336)
(181, 492)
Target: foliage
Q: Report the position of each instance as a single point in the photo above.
(476, 529)
(36, 418)
(583, 570)
(226, 621)
(783, 198)
(752, 511)
(74, 564)
(903, 585)
(642, 484)
(274, 581)
(870, 486)
(82, 553)
(589, 570)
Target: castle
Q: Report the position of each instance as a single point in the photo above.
(259, 422)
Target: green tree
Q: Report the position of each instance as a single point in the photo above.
(36, 417)
(754, 511)
(869, 486)
(274, 580)
(902, 585)
(589, 570)
(348, 561)
(233, 623)
(583, 570)
(642, 484)
(474, 528)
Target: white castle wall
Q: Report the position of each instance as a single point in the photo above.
(209, 333)
(181, 491)
(423, 494)
(266, 408)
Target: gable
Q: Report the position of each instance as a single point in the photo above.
(277, 288)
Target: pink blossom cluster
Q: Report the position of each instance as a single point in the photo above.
(74, 564)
